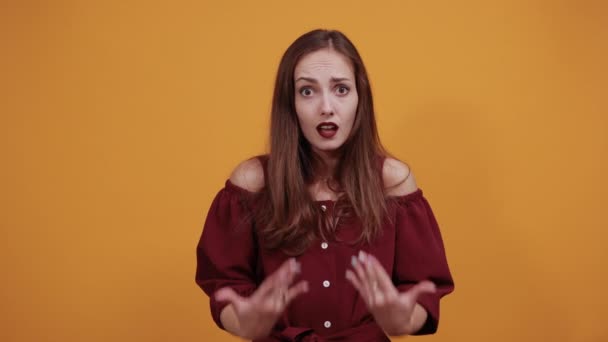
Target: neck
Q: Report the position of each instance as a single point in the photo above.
(326, 164)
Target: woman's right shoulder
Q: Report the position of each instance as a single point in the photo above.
(249, 174)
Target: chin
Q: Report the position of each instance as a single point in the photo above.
(328, 148)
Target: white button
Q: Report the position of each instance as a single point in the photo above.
(323, 207)
(327, 324)
(324, 245)
(326, 283)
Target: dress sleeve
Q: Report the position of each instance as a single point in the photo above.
(226, 252)
(420, 255)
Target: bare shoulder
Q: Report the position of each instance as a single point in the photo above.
(398, 178)
(249, 175)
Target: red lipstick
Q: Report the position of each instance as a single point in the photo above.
(327, 129)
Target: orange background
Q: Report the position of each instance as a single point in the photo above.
(121, 120)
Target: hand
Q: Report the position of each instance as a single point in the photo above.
(258, 313)
(394, 311)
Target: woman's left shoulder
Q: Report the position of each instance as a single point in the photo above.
(398, 177)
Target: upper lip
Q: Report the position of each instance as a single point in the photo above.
(334, 125)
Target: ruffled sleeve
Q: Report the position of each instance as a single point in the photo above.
(420, 254)
(226, 252)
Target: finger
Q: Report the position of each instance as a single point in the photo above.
(381, 291)
(420, 288)
(279, 300)
(377, 295)
(350, 275)
(385, 284)
(367, 296)
(368, 267)
(275, 287)
(364, 284)
(292, 269)
(353, 279)
(296, 290)
(283, 296)
(281, 278)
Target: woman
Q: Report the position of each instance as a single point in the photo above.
(326, 237)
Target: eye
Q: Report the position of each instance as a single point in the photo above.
(342, 90)
(305, 91)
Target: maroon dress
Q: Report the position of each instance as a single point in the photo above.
(410, 248)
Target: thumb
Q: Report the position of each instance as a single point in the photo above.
(422, 287)
(227, 294)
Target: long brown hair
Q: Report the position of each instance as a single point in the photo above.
(287, 216)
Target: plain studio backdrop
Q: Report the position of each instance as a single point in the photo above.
(120, 121)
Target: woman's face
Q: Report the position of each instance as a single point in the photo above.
(326, 99)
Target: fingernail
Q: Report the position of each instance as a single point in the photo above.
(353, 261)
(295, 266)
(362, 256)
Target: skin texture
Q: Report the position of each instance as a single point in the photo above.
(325, 91)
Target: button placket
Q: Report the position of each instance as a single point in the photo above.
(326, 283)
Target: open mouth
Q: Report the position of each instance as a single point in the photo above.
(327, 129)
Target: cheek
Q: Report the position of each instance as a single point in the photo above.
(298, 108)
(352, 109)
(303, 112)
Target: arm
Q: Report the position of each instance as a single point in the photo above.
(253, 317)
(226, 228)
(397, 313)
(420, 254)
(238, 304)
(400, 181)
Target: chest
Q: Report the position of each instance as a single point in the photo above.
(329, 259)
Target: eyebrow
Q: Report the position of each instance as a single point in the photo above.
(313, 80)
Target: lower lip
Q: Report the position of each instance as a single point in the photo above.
(327, 133)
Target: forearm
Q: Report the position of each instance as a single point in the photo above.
(252, 329)
(415, 323)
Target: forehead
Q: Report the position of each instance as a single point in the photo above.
(324, 61)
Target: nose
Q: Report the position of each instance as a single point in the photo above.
(327, 107)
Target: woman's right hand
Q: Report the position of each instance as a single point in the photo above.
(258, 313)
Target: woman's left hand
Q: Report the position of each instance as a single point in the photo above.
(396, 312)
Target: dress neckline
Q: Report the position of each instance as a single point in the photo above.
(402, 198)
